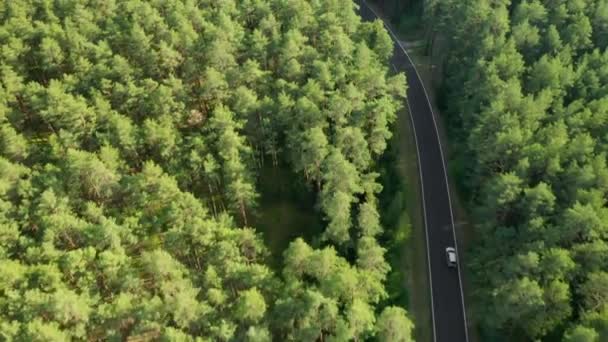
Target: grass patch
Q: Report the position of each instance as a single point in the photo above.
(415, 247)
(397, 280)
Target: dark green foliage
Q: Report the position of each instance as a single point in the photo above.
(526, 96)
(132, 135)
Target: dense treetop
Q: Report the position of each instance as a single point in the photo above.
(131, 137)
(527, 95)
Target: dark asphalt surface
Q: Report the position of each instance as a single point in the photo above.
(449, 321)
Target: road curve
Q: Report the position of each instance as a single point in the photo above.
(447, 299)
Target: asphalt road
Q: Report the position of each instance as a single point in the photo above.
(448, 312)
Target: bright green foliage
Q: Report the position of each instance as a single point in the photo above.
(131, 137)
(251, 306)
(581, 334)
(526, 99)
(393, 325)
(327, 297)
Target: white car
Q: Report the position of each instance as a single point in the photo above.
(451, 256)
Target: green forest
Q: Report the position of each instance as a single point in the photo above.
(226, 170)
(525, 98)
(133, 137)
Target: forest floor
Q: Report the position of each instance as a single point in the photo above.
(285, 211)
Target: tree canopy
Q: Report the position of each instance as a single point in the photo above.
(132, 134)
(525, 89)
